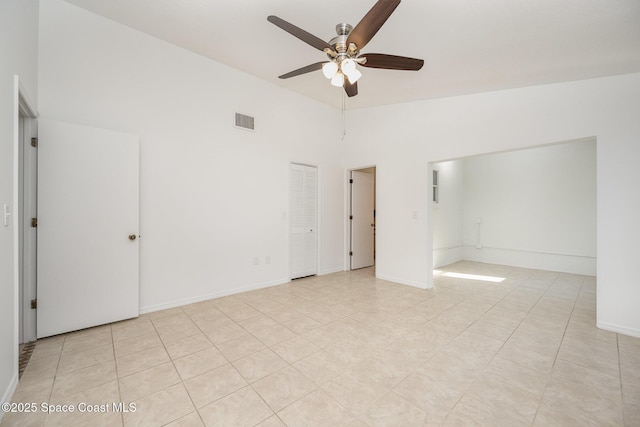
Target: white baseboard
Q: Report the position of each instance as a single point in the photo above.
(11, 388)
(536, 260)
(402, 281)
(331, 271)
(619, 329)
(227, 292)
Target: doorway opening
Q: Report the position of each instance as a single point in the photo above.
(27, 210)
(531, 208)
(362, 218)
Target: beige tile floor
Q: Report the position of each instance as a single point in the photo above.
(349, 349)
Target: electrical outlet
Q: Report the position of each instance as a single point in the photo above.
(256, 260)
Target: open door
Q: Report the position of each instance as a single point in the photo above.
(88, 217)
(362, 218)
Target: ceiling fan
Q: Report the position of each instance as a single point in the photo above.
(344, 49)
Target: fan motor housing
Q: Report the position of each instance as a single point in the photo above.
(340, 41)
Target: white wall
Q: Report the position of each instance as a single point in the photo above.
(448, 213)
(537, 207)
(212, 197)
(18, 56)
(402, 139)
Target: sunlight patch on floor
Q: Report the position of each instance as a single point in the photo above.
(474, 277)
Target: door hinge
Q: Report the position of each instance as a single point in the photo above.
(34, 222)
(350, 216)
(34, 142)
(351, 181)
(34, 304)
(350, 253)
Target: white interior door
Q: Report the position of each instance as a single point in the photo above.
(88, 218)
(362, 219)
(303, 216)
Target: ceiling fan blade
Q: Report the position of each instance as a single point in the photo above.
(350, 88)
(306, 37)
(303, 70)
(372, 22)
(391, 62)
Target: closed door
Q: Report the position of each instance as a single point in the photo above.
(303, 220)
(88, 218)
(362, 219)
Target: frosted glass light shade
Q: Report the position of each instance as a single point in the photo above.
(354, 76)
(338, 80)
(330, 69)
(347, 66)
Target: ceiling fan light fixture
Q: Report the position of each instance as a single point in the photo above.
(348, 66)
(354, 76)
(338, 80)
(330, 69)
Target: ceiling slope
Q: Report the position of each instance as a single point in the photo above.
(468, 46)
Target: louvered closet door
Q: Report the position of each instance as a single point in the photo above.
(303, 216)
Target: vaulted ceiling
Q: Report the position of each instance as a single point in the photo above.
(469, 46)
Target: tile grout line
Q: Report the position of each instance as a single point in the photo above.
(223, 355)
(197, 411)
(555, 359)
(622, 394)
(504, 342)
(113, 349)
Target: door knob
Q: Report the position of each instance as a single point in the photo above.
(132, 237)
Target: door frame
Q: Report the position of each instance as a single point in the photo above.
(347, 213)
(26, 115)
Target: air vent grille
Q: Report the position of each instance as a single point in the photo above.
(245, 122)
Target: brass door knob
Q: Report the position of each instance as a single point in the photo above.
(132, 237)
